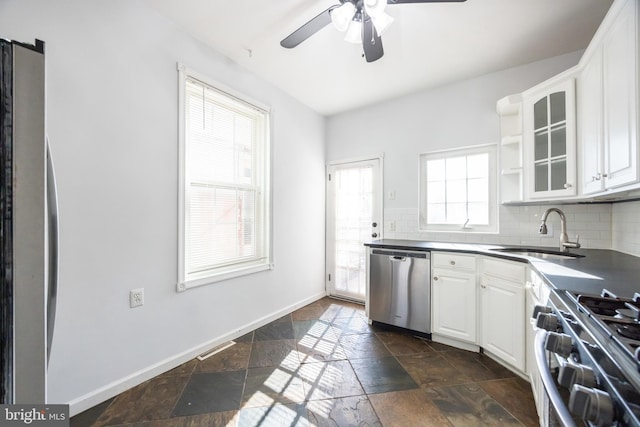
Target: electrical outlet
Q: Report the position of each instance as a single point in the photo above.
(392, 226)
(136, 297)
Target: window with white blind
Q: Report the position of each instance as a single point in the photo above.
(224, 189)
(458, 190)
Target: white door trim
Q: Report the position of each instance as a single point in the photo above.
(330, 224)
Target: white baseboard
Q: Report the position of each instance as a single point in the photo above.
(98, 396)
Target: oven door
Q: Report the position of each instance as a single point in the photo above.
(550, 401)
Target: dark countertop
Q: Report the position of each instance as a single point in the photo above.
(599, 268)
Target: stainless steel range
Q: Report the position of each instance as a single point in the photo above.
(595, 341)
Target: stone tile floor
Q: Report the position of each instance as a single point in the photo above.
(323, 365)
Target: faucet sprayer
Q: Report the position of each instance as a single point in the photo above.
(565, 244)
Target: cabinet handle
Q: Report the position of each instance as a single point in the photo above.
(452, 262)
(483, 286)
(435, 277)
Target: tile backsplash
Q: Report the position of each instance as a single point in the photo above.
(625, 227)
(519, 226)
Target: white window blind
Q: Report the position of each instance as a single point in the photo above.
(225, 197)
(458, 190)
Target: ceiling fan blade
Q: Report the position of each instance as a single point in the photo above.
(308, 29)
(371, 41)
(423, 1)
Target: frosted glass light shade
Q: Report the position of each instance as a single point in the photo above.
(374, 7)
(381, 22)
(342, 16)
(354, 33)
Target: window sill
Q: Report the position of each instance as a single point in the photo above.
(222, 275)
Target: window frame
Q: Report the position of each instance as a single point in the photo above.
(188, 280)
(493, 226)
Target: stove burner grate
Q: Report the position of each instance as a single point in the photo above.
(631, 331)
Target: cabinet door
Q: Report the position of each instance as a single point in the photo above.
(550, 141)
(502, 307)
(620, 92)
(590, 114)
(454, 304)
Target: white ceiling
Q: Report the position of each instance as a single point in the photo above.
(428, 45)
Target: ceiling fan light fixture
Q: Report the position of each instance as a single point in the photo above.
(354, 33)
(341, 16)
(382, 22)
(374, 7)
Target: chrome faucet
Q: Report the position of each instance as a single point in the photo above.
(565, 244)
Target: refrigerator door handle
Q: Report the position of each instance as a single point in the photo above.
(52, 237)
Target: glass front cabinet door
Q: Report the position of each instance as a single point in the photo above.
(549, 140)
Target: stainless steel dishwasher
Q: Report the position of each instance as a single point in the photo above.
(400, 288)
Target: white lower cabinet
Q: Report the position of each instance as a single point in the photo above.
(454, 304)
(453, 294)
(502, 309)
(481, 306)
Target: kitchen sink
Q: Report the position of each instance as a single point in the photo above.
(539, 253)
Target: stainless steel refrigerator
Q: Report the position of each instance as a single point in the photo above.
(28, 226)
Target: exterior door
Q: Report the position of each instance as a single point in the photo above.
(354, 216)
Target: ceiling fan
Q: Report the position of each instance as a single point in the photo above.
(362, 20)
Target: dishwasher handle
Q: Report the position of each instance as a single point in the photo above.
(397, 258)
(400, 254)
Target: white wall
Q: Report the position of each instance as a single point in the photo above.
(458, 115)
(112, 122)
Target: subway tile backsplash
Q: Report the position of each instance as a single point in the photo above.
(625, 228)
(519, 226)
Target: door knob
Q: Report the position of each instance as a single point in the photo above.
(374, 235)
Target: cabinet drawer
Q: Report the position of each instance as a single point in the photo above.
(511, 270)
(450, 260)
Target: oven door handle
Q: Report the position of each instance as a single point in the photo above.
(549, 384)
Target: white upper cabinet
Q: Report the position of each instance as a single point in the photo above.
(580, 128)
(620, 55)
(607, 103)
(549, 139)
(590, 118)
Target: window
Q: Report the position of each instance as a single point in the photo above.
(224, 189)
(458, 190)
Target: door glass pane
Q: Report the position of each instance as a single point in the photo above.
(558, 174)
(541, 146)
(541, 177)
(559, 141)
(540, 113)
(353, 218)
(557, 101)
